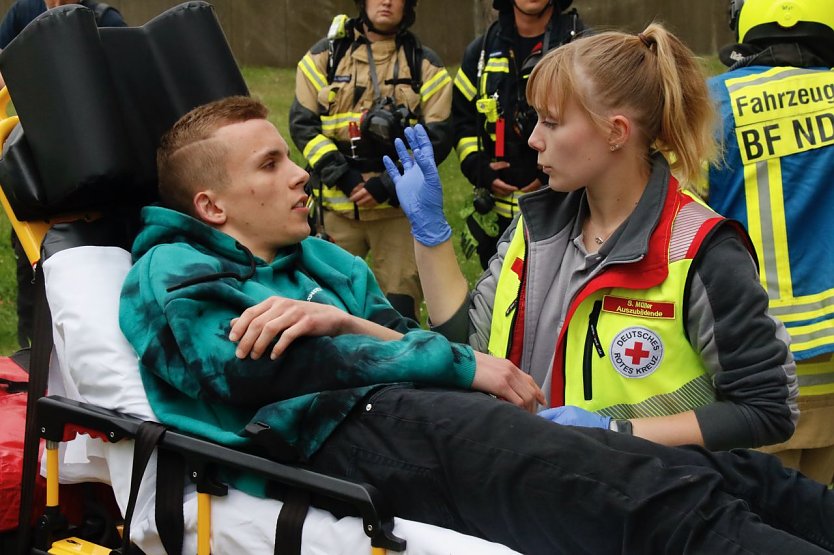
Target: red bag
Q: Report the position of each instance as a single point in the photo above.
(13, 414)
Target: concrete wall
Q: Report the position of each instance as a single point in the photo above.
(278, 32)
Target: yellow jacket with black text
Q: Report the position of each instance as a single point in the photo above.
(778, 179)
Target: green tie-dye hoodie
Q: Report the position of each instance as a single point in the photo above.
(190, 280)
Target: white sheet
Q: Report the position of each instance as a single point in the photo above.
(93, 362)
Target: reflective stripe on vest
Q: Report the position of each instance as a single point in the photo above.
(307, 65)
(465, 86)
(507, 206)
(815, 377)
(647, 367)
(436, 83)
(466, 146)
(791, 108)
(317, 148)
(334, 199)
(507, 293)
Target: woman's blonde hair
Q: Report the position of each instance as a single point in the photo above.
(652, 76)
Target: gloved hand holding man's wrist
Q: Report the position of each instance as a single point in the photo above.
(575, 416)
(418, 187)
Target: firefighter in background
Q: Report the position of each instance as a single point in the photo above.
(356, 90)
(777, 106)
(492, 118)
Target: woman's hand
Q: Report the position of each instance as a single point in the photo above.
(419, 189)
(575, 416)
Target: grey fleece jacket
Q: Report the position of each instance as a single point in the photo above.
(743, 348)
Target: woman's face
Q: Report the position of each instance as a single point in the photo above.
(385, 15)
(573, 151)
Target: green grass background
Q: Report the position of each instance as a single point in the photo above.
(274, 86)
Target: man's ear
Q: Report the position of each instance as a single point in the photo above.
(207, 208)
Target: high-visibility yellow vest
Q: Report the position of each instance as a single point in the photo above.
(623, 349)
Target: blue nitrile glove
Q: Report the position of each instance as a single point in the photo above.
(574, 416)
(419, 188)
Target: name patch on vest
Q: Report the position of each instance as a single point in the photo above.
(638, 307)
(636, 352)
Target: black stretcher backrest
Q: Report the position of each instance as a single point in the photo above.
(93, 104)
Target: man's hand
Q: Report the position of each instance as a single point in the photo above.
(260, 324)
(502, 378)
(575, 416)
(362, 197)
(499, 186)
(419, 189)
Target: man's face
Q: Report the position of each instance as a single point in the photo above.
(385, 15)
(264, 200)
(530, 7)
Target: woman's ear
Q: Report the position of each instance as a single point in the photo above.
(620, 132)
(208, 209)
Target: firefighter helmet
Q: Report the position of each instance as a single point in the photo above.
(769, 20)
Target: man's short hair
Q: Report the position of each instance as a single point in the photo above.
(189, 159)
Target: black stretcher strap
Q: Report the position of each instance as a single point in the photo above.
(147, 437)
(291, 522)
(170, 482)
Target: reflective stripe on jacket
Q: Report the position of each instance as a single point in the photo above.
(777, 180)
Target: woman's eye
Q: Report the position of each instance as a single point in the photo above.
(548, 124)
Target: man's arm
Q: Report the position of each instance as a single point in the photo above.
(474, 163)
(182, 338)
(436, 104)
(305, 123)
(285, 320)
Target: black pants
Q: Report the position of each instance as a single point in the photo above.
(466, 461)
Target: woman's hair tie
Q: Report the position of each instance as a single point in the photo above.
(645, 40)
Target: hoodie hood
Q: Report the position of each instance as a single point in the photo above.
(164, 226)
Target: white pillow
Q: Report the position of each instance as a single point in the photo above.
(96, 364)
(91, 360)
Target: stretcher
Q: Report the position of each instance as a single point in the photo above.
(71, 185)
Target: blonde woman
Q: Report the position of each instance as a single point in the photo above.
(632, 305)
